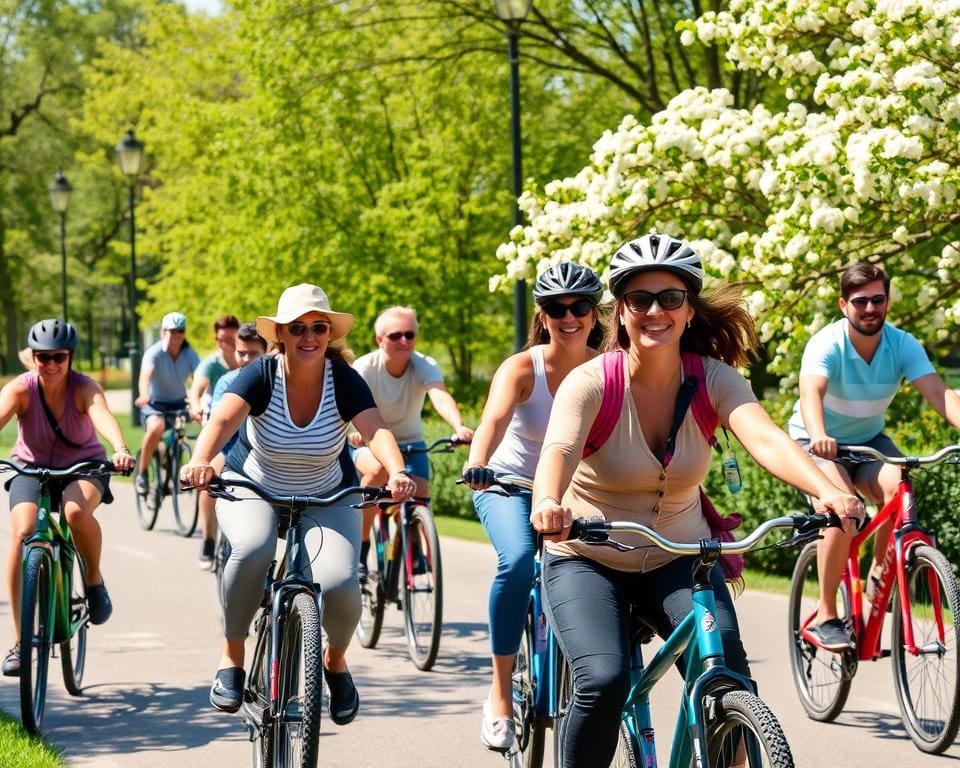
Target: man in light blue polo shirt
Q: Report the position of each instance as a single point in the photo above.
(849, 374)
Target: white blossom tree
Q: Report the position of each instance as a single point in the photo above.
(863, 163)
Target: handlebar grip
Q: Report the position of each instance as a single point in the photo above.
(588, 527)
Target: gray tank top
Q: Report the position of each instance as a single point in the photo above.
(519, 451)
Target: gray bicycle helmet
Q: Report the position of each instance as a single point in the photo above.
(52, 334)
(567, 279)
(655, 252)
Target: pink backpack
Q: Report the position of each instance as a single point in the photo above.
(706, 417)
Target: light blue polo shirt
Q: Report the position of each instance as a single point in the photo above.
(858, 394)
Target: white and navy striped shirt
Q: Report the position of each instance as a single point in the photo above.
(279, 455)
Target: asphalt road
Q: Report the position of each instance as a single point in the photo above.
(149, 668)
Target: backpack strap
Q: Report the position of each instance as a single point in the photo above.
(610, 405)
(706, 417)
(52, 421)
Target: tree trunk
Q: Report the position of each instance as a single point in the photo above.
(11, 346)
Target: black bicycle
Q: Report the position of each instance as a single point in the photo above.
(282, 700)
(163, 479)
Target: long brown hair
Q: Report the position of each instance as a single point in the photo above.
(721, 326)
(540, 335)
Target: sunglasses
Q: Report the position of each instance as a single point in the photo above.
(55, 357)
(558, 311)
(641, 301)
(397, 335)
(318, 327)
(861, 302)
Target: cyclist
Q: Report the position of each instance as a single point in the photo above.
(297, 405)
(656, 281)
(249, 346)
(400, 378)
(565, 332)
(849, 373)
(166, 366)
(200, 398)
(59, 413)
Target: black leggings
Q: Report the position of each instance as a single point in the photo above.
(588, 606)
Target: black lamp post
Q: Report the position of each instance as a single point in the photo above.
(513, 13)
(130, 156)
(60, 190)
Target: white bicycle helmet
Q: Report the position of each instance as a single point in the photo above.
(52, 334)
(174, 321)
(567, 279)
(655, 252)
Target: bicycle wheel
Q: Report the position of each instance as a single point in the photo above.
(73, 652)
(257, 697)
(300, 689)
(36, 635)
(423, 589)
(927, 682)
(186, 504)
(564, 700)
(531, 730)
(628, 751)
(822, 678)
(744, 722)
(372, 598)
(149, 505)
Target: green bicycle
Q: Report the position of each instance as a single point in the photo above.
(53, 608)
(163, 479)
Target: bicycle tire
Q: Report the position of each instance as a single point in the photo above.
(73, 651)
(739, 713)
(186, 504)
(36, 637)
(148, 506)
(822, 678)
(931, 731)
(300, 688)
(628, 751)
(423, 598)
(564, 698)
(372, 593)
(257, 695)
(530, 730)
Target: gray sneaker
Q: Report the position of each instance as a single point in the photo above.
(206, 555)
(833, 635)
(497, 733)
(11, 664)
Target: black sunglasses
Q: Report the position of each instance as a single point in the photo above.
(558, 311)
(51, 357)
(319, 327)
(397, 335)
(641, 301)
(860, 302)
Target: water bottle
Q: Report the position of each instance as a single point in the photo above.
(731, 472)
(541, 632)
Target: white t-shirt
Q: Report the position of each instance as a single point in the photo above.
(400, 398)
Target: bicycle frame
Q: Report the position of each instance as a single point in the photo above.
(390, 546)
(545, 654)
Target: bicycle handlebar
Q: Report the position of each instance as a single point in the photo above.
(443, 445)
(596, 531)
(505, 484)
(943, 455)
(218, 488)
(80, 469)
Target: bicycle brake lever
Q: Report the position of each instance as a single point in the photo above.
(798, 539)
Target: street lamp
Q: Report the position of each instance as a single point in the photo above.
(130, 157)
(513, 13)
(60, 190)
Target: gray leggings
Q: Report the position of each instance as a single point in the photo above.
(251, 527)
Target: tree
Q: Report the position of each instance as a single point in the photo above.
(863, 164)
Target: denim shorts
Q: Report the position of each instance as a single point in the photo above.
(853, 464)
(417, 463)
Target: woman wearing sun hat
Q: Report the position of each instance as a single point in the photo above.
(297, 405)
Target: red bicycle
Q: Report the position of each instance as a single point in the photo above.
(925, 618)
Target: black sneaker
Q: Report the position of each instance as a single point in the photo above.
(141, 483)
(206, 555)
(344, 699)
(11, 664)
(832, 635)
(226, 693)
(100, 606)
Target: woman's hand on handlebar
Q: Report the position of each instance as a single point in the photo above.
(197, 474)
(551, 519)
(478, 478)
(847, 506)
(401, 486)
(123, 461)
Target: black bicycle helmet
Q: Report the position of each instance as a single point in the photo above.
(567, 279)
(52, 334)
(655, 252)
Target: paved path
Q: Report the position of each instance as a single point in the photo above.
(145, 701)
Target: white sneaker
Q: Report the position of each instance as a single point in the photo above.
(497, 733)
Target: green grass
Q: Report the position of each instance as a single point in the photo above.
(20, 750)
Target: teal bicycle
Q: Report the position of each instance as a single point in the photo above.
(722, 722)
(53, 602)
